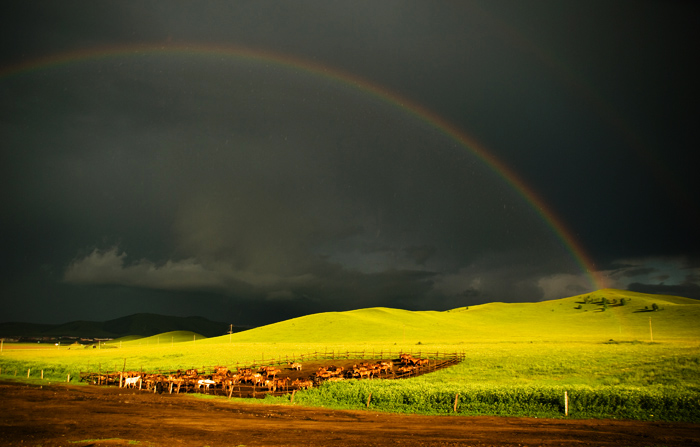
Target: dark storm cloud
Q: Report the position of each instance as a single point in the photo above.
(638, 271)
(688, 289)
(420, 254)
(177, 177)
(283, 191)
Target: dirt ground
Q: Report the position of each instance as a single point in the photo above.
(81, 416)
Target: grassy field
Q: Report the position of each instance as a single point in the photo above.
(614, 360)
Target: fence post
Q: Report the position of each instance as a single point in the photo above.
(369, 399)
(456, 400)
(566, 403)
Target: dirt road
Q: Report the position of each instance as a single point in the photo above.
(83, 416)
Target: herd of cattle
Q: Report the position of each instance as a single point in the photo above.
(270, 378)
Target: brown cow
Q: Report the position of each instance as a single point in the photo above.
(257, 379)
(272, 372)
(386, 366)
(306, 384)
(282, 383)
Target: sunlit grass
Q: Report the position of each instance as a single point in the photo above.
(556, 320)
(642, 364)
(552, 336)
(549, 347)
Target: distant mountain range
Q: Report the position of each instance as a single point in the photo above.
(142, 324)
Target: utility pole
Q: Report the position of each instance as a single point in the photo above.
(230, 333)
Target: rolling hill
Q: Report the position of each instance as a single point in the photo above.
(579, 318)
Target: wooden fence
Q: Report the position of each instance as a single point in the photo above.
(450, 357)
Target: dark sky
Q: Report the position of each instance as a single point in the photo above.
(252, 161)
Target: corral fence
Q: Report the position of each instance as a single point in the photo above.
(350, 355)
(433, 361)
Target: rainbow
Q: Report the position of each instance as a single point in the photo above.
(366, 87)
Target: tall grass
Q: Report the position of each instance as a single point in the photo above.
(424, 397)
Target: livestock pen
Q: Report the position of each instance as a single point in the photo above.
(281, 375)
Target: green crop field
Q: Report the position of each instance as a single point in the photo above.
(634, 359)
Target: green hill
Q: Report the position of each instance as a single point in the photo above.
(583, 317)
(165, 339)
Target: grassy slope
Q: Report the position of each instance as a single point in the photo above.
(568, 342)
(555, 320)
(166, 338)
